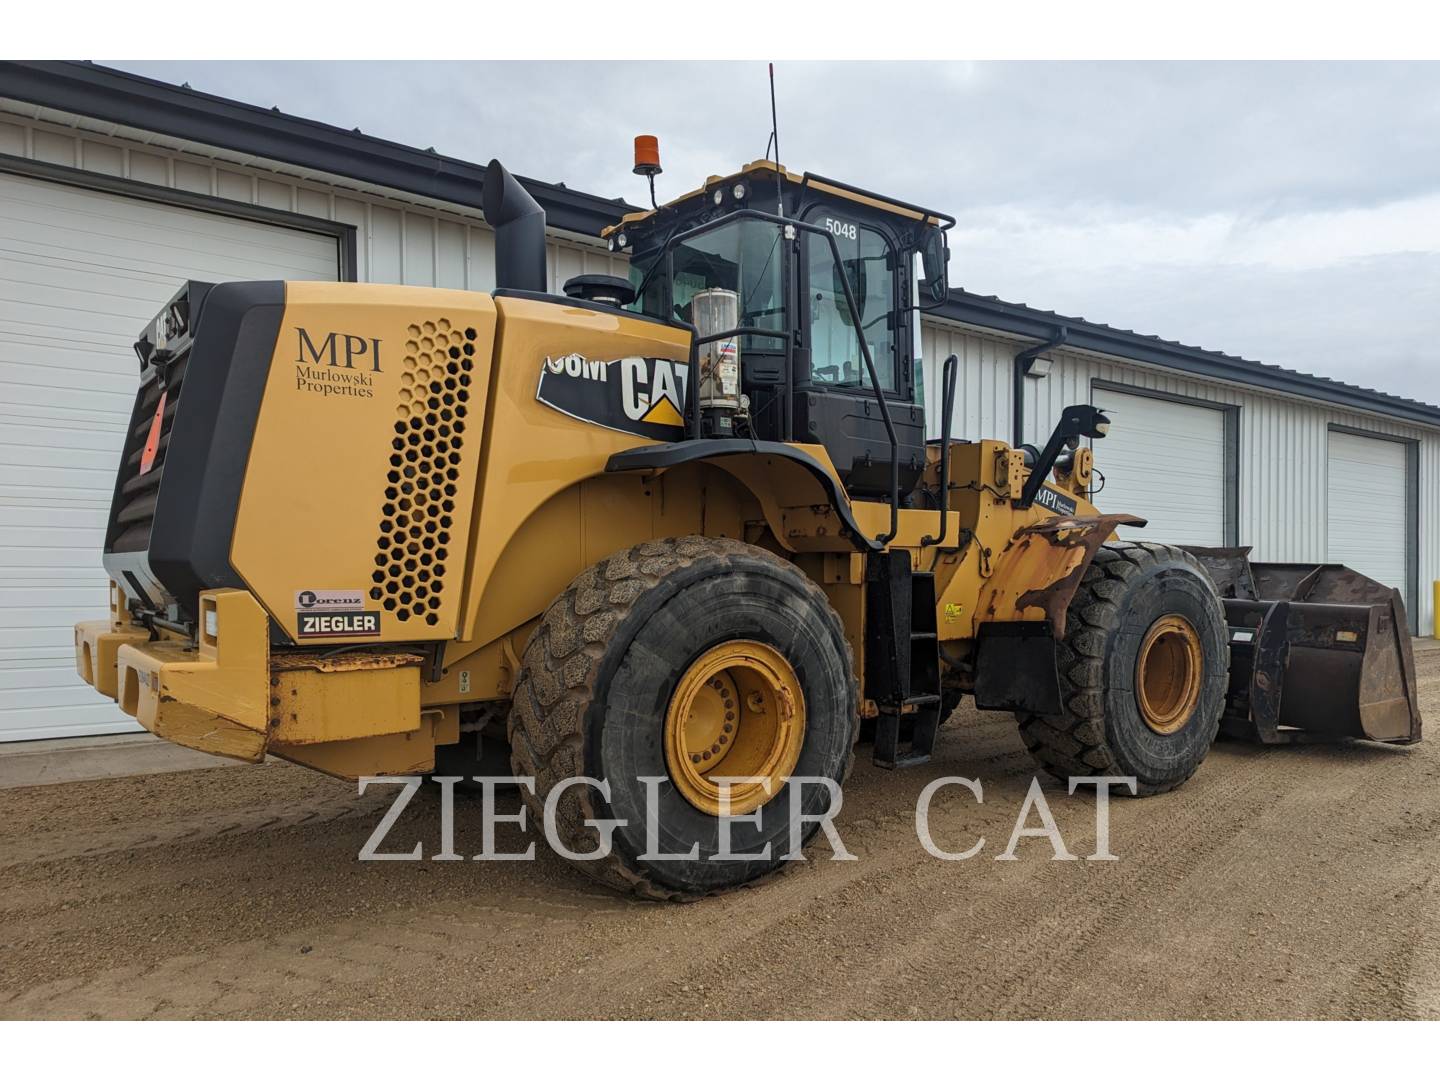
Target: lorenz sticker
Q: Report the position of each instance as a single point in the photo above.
(349, 624)
(330, 600)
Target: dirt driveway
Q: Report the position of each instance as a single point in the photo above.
(1298, 882)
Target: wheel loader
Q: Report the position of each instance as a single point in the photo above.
(681, 533)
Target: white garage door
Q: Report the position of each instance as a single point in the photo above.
(1366, 507)
(1163, 461)
(80, 273)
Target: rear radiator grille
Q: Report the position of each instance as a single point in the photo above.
(134, 507)
(419, 505)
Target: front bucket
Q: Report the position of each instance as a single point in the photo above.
(1317, 652)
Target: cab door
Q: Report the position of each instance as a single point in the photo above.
(835, 401)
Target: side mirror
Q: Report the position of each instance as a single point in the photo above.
(934, 263)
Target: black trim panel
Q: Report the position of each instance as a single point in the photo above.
(1015, 668)
(668, 455)
(235, 335)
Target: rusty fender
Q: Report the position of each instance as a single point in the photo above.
(1037, 573)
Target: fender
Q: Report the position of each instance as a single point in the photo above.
(796, 480)
(1022, 606)
(1037, 573)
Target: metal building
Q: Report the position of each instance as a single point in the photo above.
(115, 188)
(1214, 449)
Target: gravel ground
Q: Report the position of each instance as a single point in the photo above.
(1293, 882)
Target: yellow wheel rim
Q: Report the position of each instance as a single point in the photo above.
(1168, 673)
(738, 711)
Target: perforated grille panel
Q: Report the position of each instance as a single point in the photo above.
(417, 518)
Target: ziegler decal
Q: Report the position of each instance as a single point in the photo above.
(639, 395)
(347, 624)
(330, 368)
(1051, 499)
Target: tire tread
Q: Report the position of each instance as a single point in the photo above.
(560, 672)
(1073, 742)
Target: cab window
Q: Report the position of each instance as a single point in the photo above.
(867, 261)
(743, 257)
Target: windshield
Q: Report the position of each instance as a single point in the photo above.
(743, 257)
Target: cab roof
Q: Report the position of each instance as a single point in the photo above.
(763, 171)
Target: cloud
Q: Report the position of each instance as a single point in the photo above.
(1287, 212)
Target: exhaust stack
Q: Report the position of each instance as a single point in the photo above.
(519, 225)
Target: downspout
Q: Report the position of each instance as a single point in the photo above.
(1024, 361)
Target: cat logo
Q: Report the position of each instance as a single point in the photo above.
(639, 395)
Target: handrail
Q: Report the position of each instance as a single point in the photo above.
(676, 238)
(947, 403)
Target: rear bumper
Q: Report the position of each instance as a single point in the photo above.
(203, 694)
(350, 715)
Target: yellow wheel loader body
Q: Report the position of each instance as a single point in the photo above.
(345, 516)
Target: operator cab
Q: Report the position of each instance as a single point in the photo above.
(816, 274)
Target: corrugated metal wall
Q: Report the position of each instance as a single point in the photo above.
(1282, 440)
(398, 240)
(1282, 459)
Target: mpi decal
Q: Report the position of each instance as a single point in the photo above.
(1051, 499)
(337, 364)
(639, 395)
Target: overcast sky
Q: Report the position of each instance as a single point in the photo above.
(1285, 212)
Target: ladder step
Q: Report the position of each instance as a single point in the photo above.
(903, 659)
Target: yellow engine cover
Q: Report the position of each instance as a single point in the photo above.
(355, 514)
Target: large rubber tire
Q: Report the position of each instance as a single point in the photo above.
(1101, 732)
(597, 678)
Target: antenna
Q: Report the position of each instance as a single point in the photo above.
(775, 138)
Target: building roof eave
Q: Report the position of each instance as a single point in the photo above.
(990, 312)
(135, 101)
